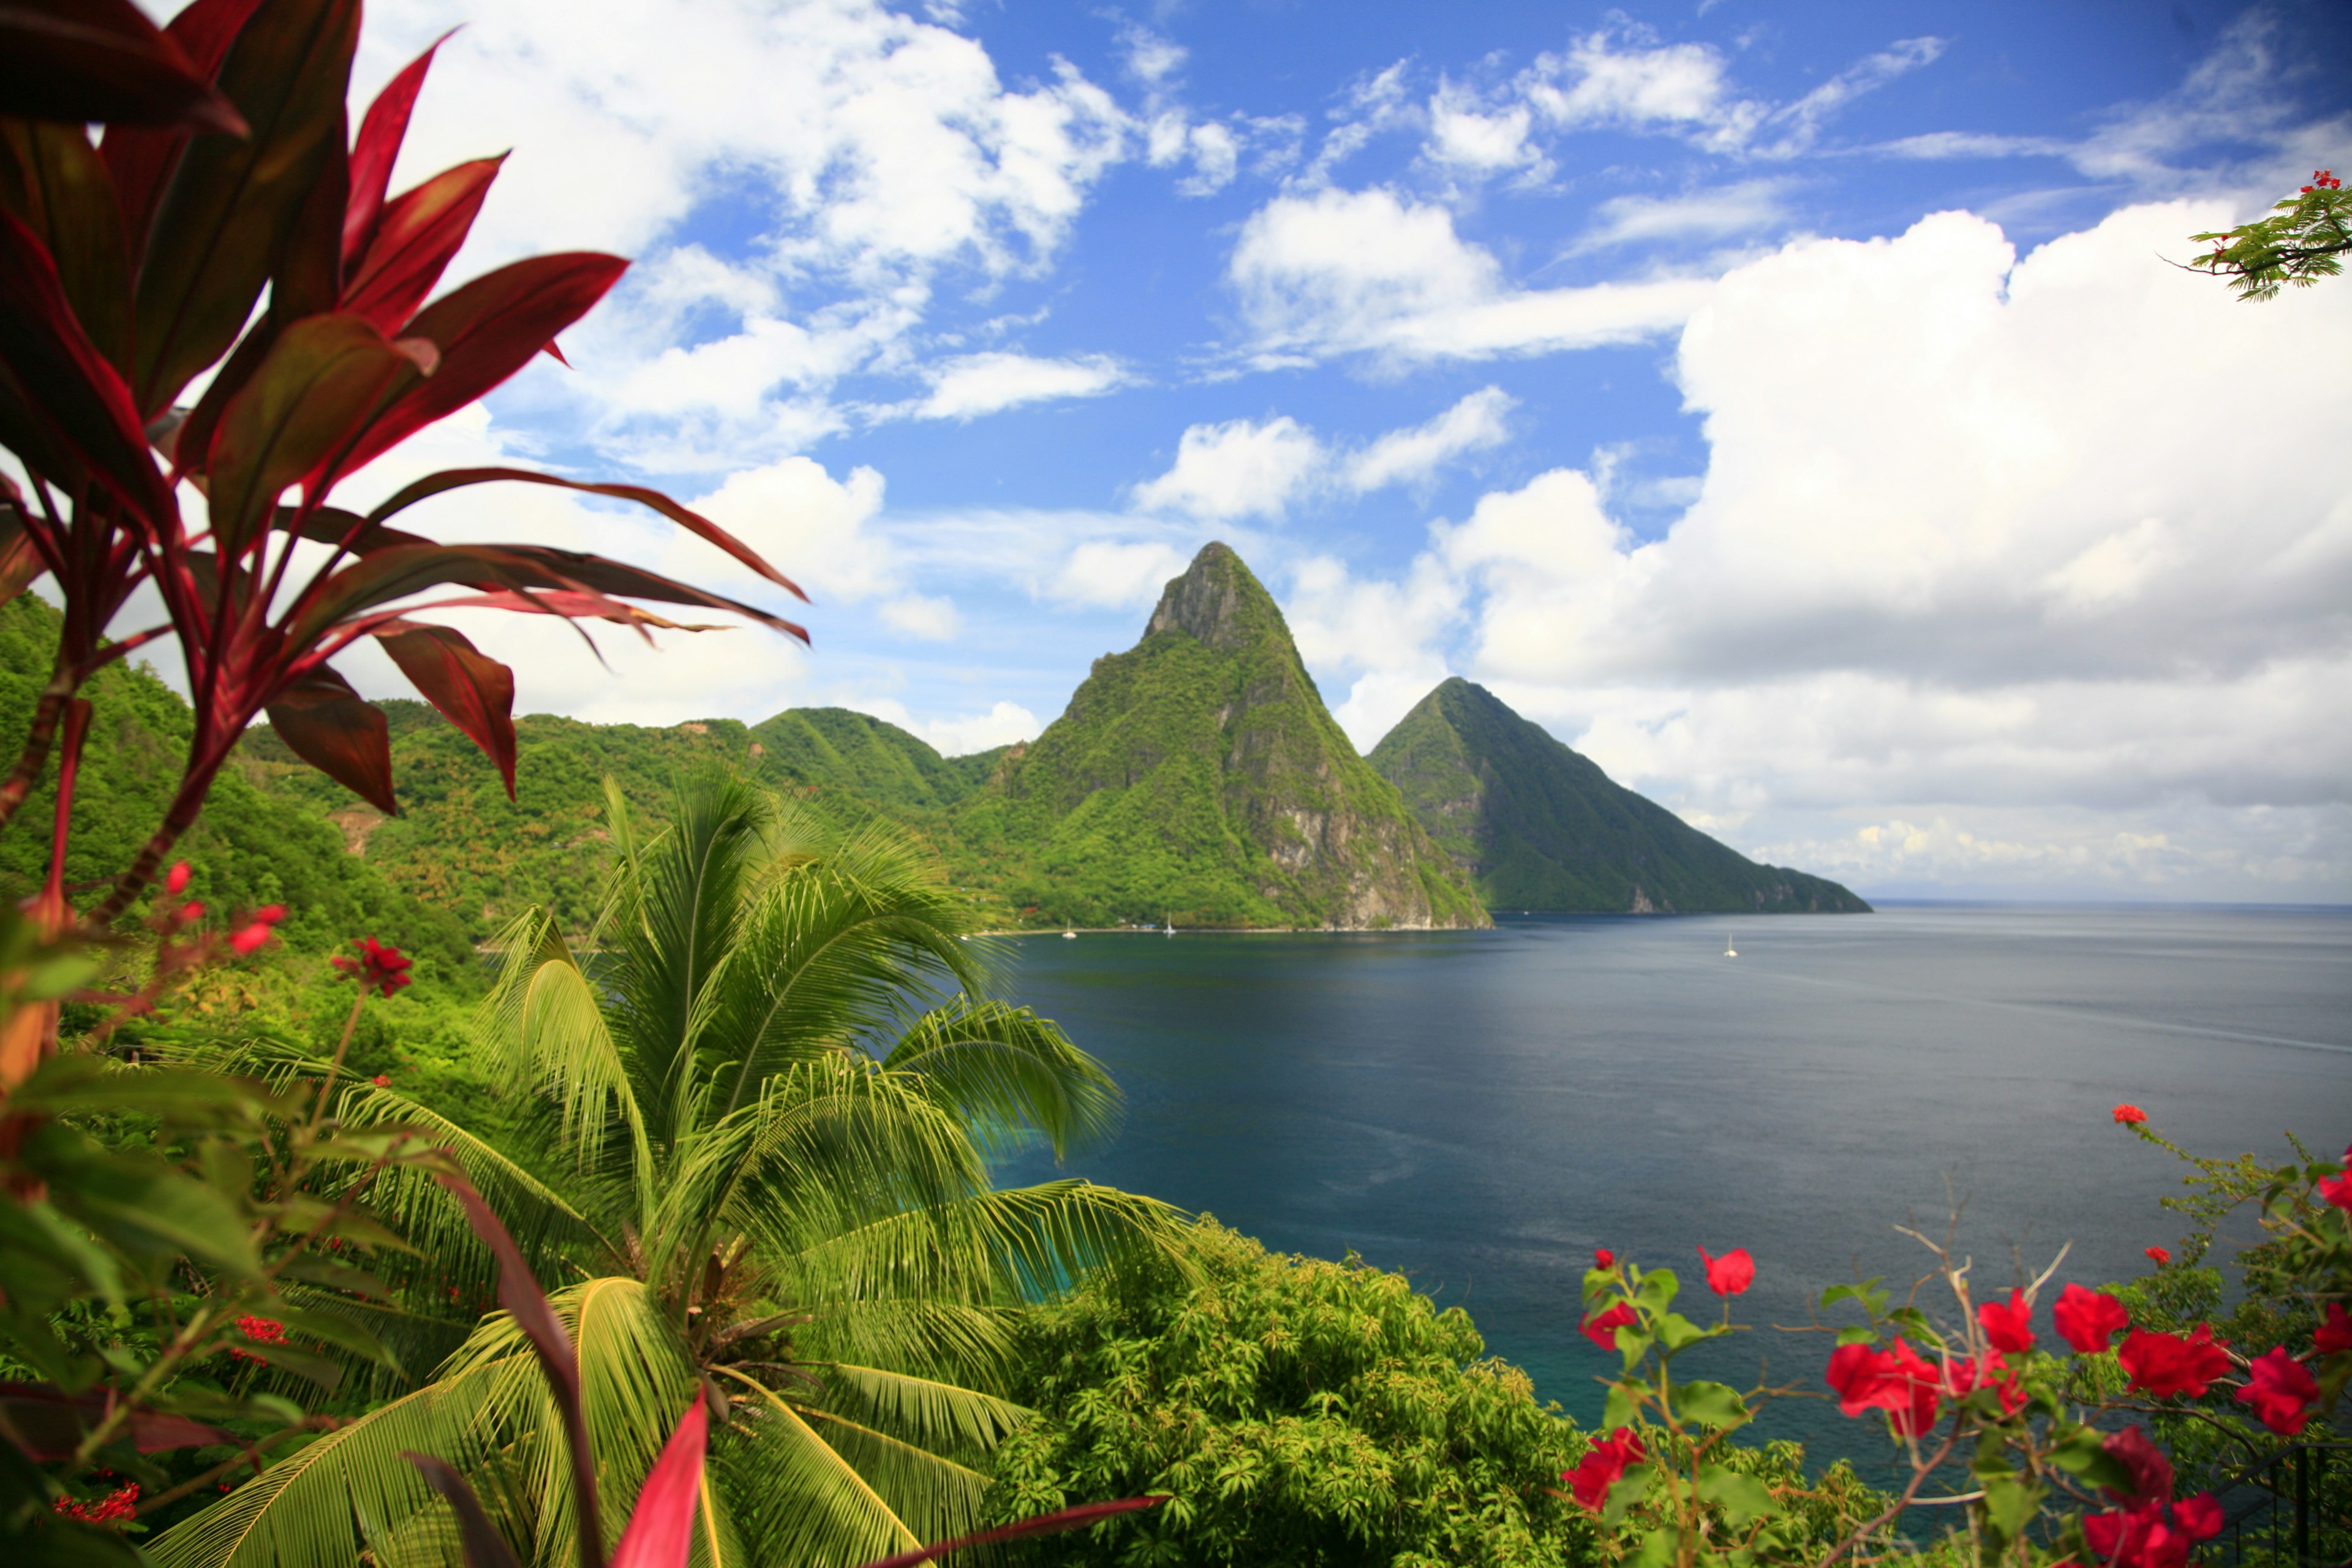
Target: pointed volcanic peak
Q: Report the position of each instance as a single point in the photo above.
(1537, 827)
(1199, 776)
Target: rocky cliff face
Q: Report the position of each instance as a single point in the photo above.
(1198, 775)
(1538, 826)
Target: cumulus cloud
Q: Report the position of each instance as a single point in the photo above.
(959, 734)
(1106, 575)
(1375, 272)
(876, 151)
(1972, 539)
(1243, 469)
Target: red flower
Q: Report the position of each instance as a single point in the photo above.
(2337, 1189)
(2162, 1366)
(2149, 1530)
(1962, 1377)
(2160, 1256)
(122, 1502)
(268, 1331)
(2333, 1337)
(1602, 1467)
(176, 880)
(2151, 1472)
(382, 967)
(1731, 1273)
(2199, 1517)
(380, 1081)
(2009, 1326)
(1896, 1380)
(1603, 1258)
(2282, 1391)
(2088, 1319)
(2130, 1115)
(1601, 1328)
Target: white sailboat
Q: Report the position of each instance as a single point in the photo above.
(1729, 950)
(1069, 936)
(1169, 923)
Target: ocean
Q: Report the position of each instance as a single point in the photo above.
(1482, 1110)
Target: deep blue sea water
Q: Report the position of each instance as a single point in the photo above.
(1482, 1110)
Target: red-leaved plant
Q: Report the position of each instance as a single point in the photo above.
(132, 266)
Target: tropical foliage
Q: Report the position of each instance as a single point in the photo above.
(774, 1080)
(2301, 241)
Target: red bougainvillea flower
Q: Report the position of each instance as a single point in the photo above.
(383, 967)
(2162, 1366)
(261, 1331)
(2199, 1517)
(380, 1081)
(2160, 1255)
(1602, 1467)
(1896, 1380)
(1963, 1377)
(2150, 1471)
(2130, 1115)
(1602, 1328)
(2088, 1319)
(2337, 1189)
(176, 880)
(2282, 1392)
(2008, 1325)
(1731, 1273)
(1603, 1258)
(2149, 1530)
(2334, 1335)
(192, 911)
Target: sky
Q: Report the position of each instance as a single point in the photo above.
(1789, 406)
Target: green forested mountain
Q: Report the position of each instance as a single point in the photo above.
(253, 845)
(1199, 774)
(1538, 826)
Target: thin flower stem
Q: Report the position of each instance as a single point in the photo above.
(342, 1047)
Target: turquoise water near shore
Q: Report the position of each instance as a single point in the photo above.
(1482, 1110)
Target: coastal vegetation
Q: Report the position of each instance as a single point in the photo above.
(684, 1237)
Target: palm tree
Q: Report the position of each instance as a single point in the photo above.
(776, 1084)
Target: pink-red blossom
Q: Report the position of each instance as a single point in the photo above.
(1602, 1467)
(1963, 1377)
(2334, 1335)
(1895, 1380)
(1731, 1273)
(1603, 1258)
(2130, 1115)
(2088, 1319)
(2163, 1365)
(380, 1081)
(2008, 1325)
(121, 1504)
(1601, 1327)
(2160, 1255)
(2337, 1189)
(379, 964)
(2280, 1391)
(176, 880)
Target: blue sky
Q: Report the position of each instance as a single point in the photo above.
(1786, 404)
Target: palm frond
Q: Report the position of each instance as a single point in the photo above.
(794, 1494)
(942, 1417)
(545, 1020)
(1011, 1075)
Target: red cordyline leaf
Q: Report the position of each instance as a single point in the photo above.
(487, 329)
(79, 411)
(377, 149)
(84, 61)
(692, 522)
(142, 160)
(327, 724)
(50, 1423)
(526, 1304)
(418, 235)
(660, 1531)
(474, 693)
(52, 179)
(323, 379)
(230, 205)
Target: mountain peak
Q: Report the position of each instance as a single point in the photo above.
(1218, 602)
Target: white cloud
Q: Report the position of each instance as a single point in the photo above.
(1978, 544)
(1373, 272)
(973, 385)
(1745, 207)
(880, 152)
(957, 735)
(1409, 457)
(1683, 87)
(1237, 469)
(1108, 575)
(1463, 135)
(1243, 469)
(921, 616)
